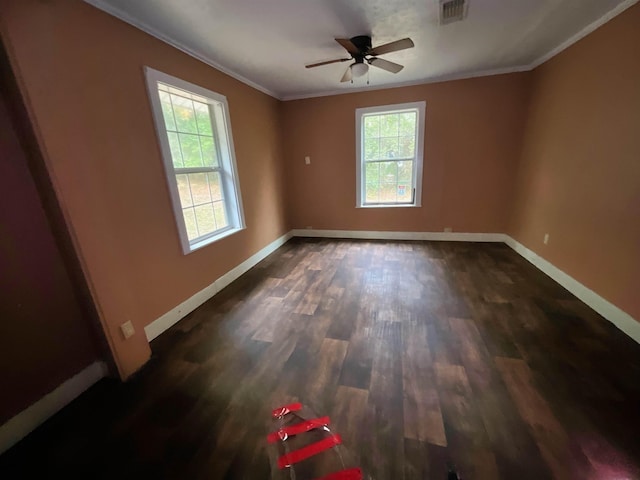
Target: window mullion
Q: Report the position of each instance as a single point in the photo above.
(173, 113)
(190, 196)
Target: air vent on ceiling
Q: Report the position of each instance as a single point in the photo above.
(452, 11)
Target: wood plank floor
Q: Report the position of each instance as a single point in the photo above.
(421, 353)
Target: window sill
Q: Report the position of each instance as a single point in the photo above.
(402, 205)
(208, 241)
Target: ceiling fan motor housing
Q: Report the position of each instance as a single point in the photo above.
(362, 42)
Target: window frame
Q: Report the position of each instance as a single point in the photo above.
(227, 167)
(420, 107)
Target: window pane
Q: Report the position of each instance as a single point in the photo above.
(388, 193)
(389, 148)
(215, 186)
(407, 123)
(190, 150)
(407, 147)
(209, 154)
(199, 188)
(176, 154)
(388, 172)
(190, 223)
(167, 111)
(389, 125)
(203, 118)
(404, 193)
(185, 116)
(205, 219)
(371, 149)
(372, 173)
(220, 214)
(371, 126)
(372, 193)
(184, 190)
(405, 172)
(396, 182)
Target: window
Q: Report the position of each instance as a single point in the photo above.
(197, 148)
(389, 147)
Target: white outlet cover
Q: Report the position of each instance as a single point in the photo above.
(307, 160)
(127, 329)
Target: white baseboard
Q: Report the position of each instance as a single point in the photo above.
(608, 310)
(382, 235)
(615, 315)
(176, 314)
(29, 419)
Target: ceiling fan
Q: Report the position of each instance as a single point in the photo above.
(363, 55)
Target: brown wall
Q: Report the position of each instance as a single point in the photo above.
(81, 71)
(472, 141)
(45, 336)
(579, 179)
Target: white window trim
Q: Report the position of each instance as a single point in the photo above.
(417, 168)
(229, 175)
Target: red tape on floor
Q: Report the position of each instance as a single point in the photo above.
(309, 451)
(282, 411)
(351, 474)
(296, 429)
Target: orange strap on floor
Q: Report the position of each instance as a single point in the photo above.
(282, 411)
(350, 474)
(309, 451)
(302, 427)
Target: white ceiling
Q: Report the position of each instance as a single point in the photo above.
(267, 43)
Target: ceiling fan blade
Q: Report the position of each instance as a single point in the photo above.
(347, 75)
(392, 47)
(386, 65)
(327, 62)
(348, 45)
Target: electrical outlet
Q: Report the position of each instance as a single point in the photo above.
(127, 329)
(307, 160)
(448, 229)
(308, 227)
(545, 240)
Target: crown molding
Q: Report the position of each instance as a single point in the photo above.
(424, 81)
(125, 17)
(610, 15)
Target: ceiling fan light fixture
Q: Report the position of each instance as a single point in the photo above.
(359, 69)
(359, 48)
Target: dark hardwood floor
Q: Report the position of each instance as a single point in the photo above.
(420, 352)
